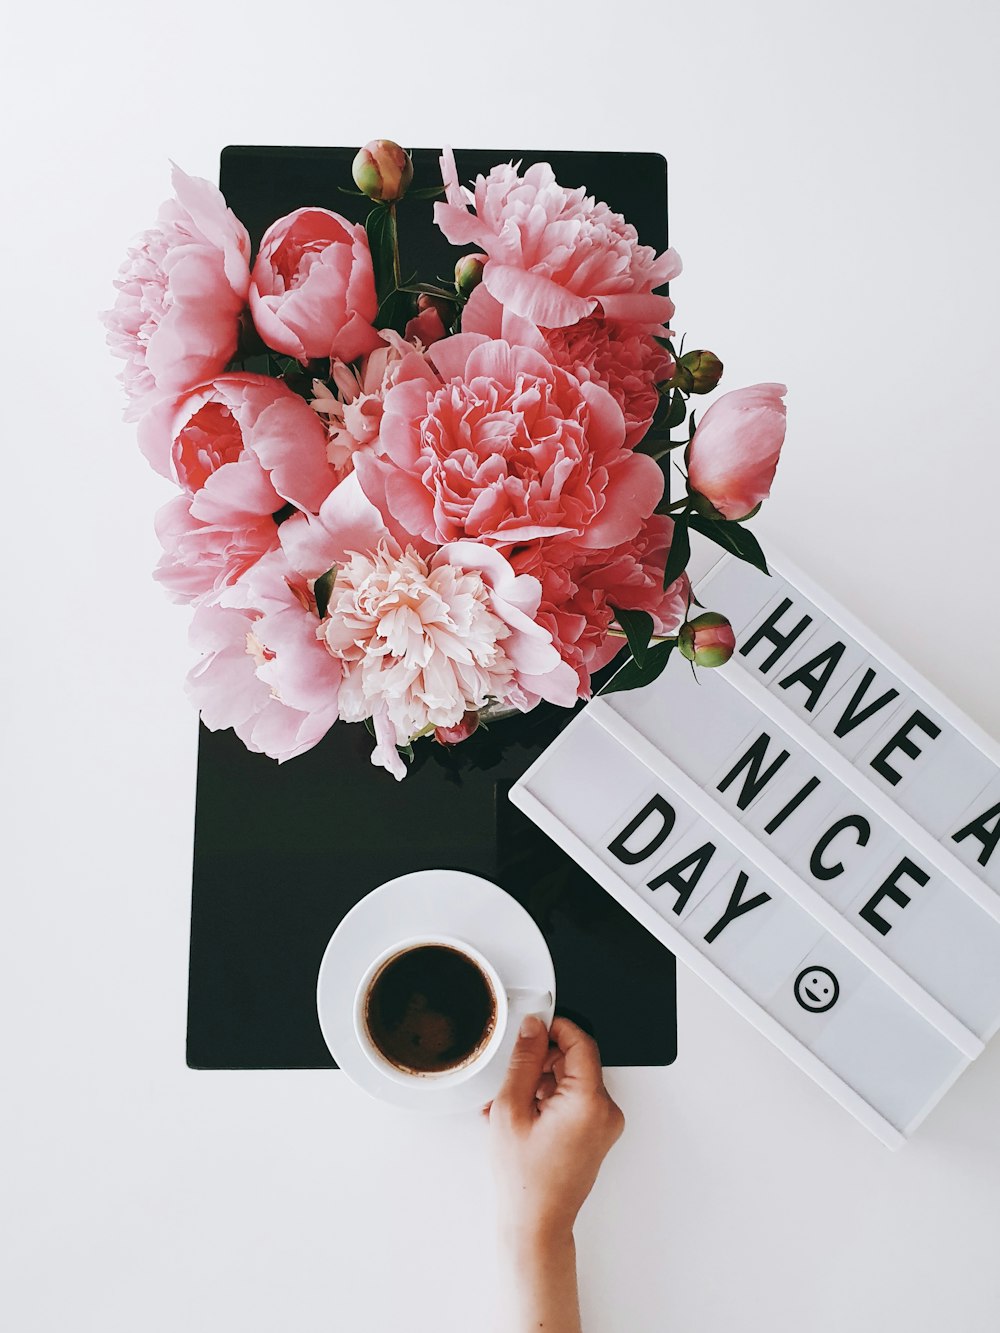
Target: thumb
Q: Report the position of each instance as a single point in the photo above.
(517, 1096)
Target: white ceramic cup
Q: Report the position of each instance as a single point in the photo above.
(511, 1003)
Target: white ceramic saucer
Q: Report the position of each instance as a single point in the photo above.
(427, 902)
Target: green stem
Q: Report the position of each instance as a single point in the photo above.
(656, 638)
(396, 275)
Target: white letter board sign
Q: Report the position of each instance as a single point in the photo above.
(813, 828)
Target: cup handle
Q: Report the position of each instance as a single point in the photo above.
(521, 1001)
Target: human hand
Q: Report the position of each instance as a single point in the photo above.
(551, 1126)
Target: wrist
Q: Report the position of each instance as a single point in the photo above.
(536, 1236)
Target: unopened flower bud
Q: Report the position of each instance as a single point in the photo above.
(382, 170)
(461, 731)
(469, 274)
(445, 309)
(708, 640)
(703, 371)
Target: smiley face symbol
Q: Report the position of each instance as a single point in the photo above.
(816, 989)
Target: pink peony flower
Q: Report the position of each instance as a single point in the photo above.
(352, 410)
(555, 255)
(421, 640)
(313, 288)
(734, 453)
(242, 447)
(504, 448)
(622, 358)
(580, 594)
(262, 671)
(181, 292)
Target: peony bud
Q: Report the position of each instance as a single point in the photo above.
(708, 640)
(704, 370)
(734, 451)
(382, 170)
(444, 309)
(461, 731)
(469, 274)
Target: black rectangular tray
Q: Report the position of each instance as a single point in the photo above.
(282, 852)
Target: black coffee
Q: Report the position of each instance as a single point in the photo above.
(429, 1009)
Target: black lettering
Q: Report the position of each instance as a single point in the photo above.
(736, 907)
(685, 885)
(755, 781)
(981, 831)
(890, 889)
(778, 819)
(849, 719)
(656, 805)
(901, 741)
(768, 630)
(856, 822)
(815, 674)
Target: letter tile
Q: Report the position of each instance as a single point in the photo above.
(942, 787)
(975, 836)
(760, 948)
(940, 938)
(682, 875)
(738, 591)
(697, 721)
(865, 707)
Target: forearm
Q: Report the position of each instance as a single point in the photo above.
(537, 1278)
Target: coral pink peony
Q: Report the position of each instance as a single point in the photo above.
(734, 453)
(242, 447)
(313, 288)
(504, 448)
(581, 591)
(262, 671)
(555, 255)
(622, 358)
(181, 292)
(421, 641)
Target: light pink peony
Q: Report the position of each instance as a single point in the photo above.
(504, 448)
(352, 410)
(242, 447)
(734, 453)
(181, 292)
(622, 358)
(262, 671)
(555, 255)
(421, 641)
(313, 288)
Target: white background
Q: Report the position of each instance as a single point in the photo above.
(834, 197)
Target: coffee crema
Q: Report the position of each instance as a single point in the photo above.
(430, 1009)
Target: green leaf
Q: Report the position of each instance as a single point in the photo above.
(638, 627)
(732, 538)
(632, 676)
(395, 311)
(680, 551)
(431, 289)
(678, 411)
(322, 589)
(425, 192)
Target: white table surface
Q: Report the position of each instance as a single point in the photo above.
(834, 198)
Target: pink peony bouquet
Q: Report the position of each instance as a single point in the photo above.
(440, 502)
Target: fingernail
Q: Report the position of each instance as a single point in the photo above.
(530, 1024)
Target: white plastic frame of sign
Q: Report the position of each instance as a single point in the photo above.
(813, 828)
